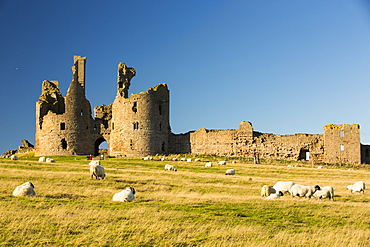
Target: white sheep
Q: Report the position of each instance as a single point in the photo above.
(174, 159)
(325, 192)
(284, 187)
(170, 168)
(26, 189)
(126, 195)
(357, 187)
(96, 170)
(50, 160)
(188, 160)
(222, 163)
(267, 190)
(183, 159)
(274, 196)
(14, 157)
(163, 159)
(197, 160)
(230, 172)
(208, 164)
(303, 191)
(42, 159)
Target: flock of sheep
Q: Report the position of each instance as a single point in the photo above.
(281, 188)
(96, 170)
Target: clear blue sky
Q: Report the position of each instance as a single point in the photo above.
(286, 66)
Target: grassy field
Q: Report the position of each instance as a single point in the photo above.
(195, 206)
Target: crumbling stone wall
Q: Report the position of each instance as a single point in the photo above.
(64, 125)
(287, 147)
(342, 143)
(244, 142)
(338, 144)
(138, 125)
(180, 143)
(103, 123)
(24, 148)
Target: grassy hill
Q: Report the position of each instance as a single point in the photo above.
(195, 206)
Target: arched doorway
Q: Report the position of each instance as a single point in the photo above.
(101, 146)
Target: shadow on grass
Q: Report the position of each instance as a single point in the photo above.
(145, 182)
(64, 196)
(132, 182)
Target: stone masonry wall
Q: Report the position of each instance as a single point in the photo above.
(246, 143)
(342, 143)
(140, 123)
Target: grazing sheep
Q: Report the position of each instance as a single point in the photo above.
(208, 164)
(325, 192)
(274, 196)
(42, 159)
(163, 159)
(50, 160)
(357, 187)
(197, 160)
(14, 157)
(126, 195)
(174, 159)
(303, 191)
(267, 190)
(170, 168)
(96, 170)
(183, 159)
(26, 189)
(283, 186)
(222, 163)
(188, 160)
(230, 172)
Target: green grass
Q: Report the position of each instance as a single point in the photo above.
(195, 206)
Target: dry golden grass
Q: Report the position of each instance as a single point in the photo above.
(195, 206)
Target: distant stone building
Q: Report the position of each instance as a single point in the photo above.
(138, 125)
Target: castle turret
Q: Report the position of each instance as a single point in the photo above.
(78, 121)
(49, 109)
(140, 123)
(65, 124)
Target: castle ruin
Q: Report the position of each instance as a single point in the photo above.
(138, 125)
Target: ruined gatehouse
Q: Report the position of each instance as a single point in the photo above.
(138, 125)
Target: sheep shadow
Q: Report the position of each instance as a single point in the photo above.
(135, 182)
(64, 196)
(146, 201)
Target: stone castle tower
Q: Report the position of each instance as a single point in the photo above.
(132, 126)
